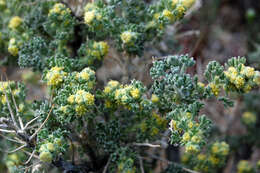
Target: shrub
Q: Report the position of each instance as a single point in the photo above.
(106, 127)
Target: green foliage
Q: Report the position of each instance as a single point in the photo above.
(106, 127)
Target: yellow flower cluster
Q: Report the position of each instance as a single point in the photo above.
(187, 3)
(214, 88)
(220, 149)
(243, 79)
(191, 148)
(111, 86)
(249, 118)
(84, 97)
(100, 49)
(86, 74)
(46, 150)
(124, 168)
(55, 76)
(91, 14)
(59, 9)
(168, 15)
(12, 47)
(4, 87)
(128, 37)
(189, 138)
(212, 159)
(155, 98)
(15, 22)
(2, 3)
(126, 93)
(244, 167)
(82, 100)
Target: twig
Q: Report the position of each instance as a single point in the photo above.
(30, 158)
(7, 131)
(31, 121)
(106, 167)
(141, 164)
(11, 111)
(41, 126)
(147, 145)
(28, 153)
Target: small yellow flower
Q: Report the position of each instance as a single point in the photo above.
(190, 148)
(186, 137)
(190, 124)
(113, 83)
(71, 99)
(63, 109)
(46, 156)
(127, 37)
(239, 82)
(135, 93)
(108, 104)
(232, 70)
(256, 78)
(89, 17)
(81, 110)
(214, 88)
(213, 160)
(189, 115)
(174, 2)
(102, 47)
(244, 167)
(247, 88)
(249, 118)
(50, 147)
(12, 47)
(156, 15)
(13, 50)
(200, 84)
(55, 76)
(59, 8)
(3, 99)
(180, 10)
(196, 139)
(15, 22)
(167, 14)
(155, 98)
(89, 98)
(107, 90)
(248, 71)
(173, 125)
(124, 99)
(84, 75)
(187, 3)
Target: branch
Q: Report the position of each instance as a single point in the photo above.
(147, 145)
(106, 167)
(41, 126)
(141, 164)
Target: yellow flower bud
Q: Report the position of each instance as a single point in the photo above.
(15, 22)
(155, 98)
(46, 156)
